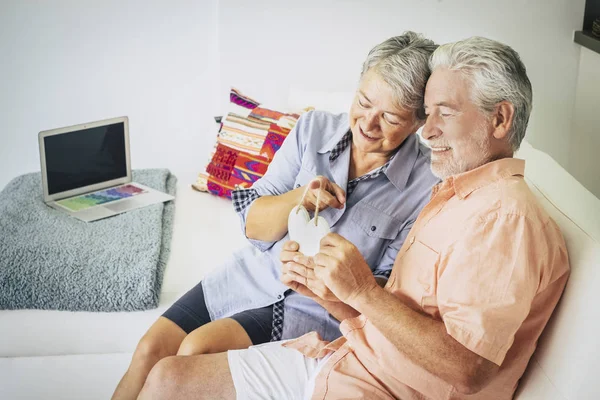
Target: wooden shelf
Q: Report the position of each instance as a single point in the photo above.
(587, 39)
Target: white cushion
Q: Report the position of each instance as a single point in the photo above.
(566, 362)
(77, 377)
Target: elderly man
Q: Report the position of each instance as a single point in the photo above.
(471, 289)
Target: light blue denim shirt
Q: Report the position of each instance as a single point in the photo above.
(376, 218)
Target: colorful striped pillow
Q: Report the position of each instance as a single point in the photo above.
(248, 139)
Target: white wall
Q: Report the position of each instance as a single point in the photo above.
(69, 62)
(584, 161)
(169, 65)
(267, 45)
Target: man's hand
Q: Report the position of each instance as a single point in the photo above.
(343, 270)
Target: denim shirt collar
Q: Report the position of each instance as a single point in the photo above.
(401, 166)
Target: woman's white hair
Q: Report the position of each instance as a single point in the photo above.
(402, 62)
(496, 73)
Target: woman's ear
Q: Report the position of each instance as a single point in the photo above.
(503, 119)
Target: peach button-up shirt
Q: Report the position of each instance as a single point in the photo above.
(485, 259)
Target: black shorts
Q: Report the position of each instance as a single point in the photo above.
(190, 312)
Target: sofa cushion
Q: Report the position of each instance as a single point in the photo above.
(248, 138)
(567, 356)
(76, 377)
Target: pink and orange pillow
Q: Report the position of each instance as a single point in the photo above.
(247, 141)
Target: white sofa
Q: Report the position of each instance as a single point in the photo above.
(82, 355)
(63, 355)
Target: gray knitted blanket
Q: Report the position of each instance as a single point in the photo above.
(51, 261)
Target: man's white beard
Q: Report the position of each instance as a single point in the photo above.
(457, 165)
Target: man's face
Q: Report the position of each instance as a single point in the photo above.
(458, 133)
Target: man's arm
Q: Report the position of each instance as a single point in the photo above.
(422, 339)
(342, 311)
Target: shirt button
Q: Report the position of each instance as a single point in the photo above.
(297, 185)
(412, 240)
(426, 287)
(373, 228)
(280, 297)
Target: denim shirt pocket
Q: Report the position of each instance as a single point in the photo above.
(375, 223)
(372, 231)
(304, 176)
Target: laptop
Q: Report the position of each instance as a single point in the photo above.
(86, 171)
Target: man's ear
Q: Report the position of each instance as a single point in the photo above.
(503, 119)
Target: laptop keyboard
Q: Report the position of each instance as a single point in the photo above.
(100, 197)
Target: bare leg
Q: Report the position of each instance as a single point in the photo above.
(162, 340)
(190, 377)
(215, 337)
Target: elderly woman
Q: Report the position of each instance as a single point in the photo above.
(374, 178)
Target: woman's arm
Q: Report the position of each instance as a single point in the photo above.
(267, 218)
(264, 208)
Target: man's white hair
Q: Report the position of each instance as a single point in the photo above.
(496, 73)
(402, 62)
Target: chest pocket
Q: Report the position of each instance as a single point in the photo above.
(304, 176)
(375, 223)
(415, 276)
(371, 230)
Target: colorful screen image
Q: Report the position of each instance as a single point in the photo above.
(102, 197)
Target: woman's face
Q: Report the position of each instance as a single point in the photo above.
(378, 124)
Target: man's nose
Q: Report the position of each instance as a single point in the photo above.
(431, 129)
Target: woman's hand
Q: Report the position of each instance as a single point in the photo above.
(288, 252)
(299, 277)
(331, 194)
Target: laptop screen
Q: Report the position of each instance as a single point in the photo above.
(85, 157)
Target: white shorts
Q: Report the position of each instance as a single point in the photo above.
(271, 371)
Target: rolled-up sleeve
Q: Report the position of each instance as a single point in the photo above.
(488, 280)
(279, 178)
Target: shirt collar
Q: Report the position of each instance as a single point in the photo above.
(335, 139)
(467, 182)
(401, 166)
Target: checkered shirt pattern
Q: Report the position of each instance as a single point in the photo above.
(277, 329)
(371, 175)
(340, 146)
(242, 198)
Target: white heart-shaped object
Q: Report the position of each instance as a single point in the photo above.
(305, 232)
